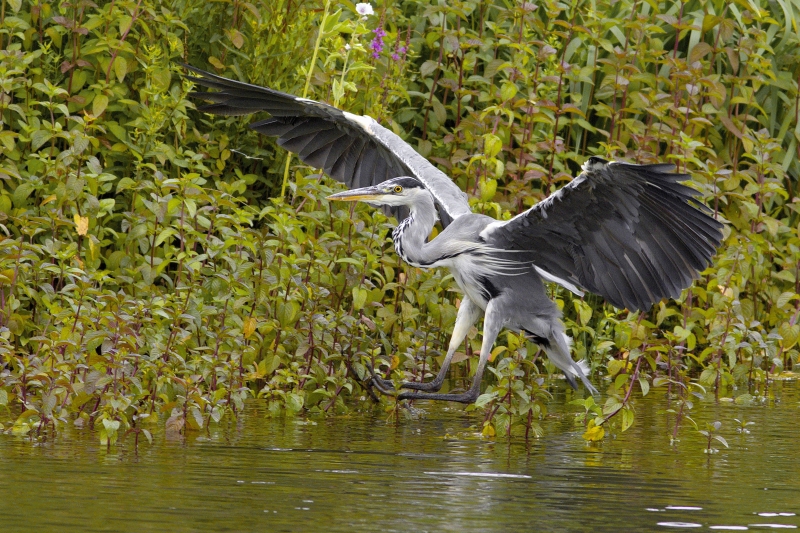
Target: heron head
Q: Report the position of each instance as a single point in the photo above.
(393, 192)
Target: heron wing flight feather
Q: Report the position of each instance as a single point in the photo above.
(353, 149)
(631, 233)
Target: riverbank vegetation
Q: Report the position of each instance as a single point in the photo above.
(160, 267)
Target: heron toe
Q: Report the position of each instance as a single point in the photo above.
(430, 386)
(385, 386)
(465, 397)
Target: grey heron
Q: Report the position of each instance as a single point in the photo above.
(630, 233)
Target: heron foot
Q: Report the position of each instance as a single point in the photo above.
(385, 386)
(430, 386)
(465, 397)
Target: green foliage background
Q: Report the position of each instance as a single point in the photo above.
(150, 272)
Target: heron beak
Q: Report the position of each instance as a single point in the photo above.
(367, 194)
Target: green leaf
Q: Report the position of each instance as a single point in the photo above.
(22, 192)
(660, 381)
(48, 403)
(645, 385)
(236, 38)
(40, 137)
(287, 312)
(491, 144)
(271, 363)
(108, 432)
(5, 204)
(332, 21)
(439, 110)
(708, 376)
(620, 380)
(710, 21)
(99, 105)
(107, 204)
(427, 68)
(162, 78)
(790, 334)
(744, 399)
(294, 402)
(164, 235)
(508, 91)
(785, 298)
(584, 311)
(681, 333)
(359, 297)
(665, 312)
(120, 68)
(8, 139)
(488, 188)
(350, 261)
(118, 131)
(124, 22)
(699, 51)
(125, 183)
(338, 90)
(195, 420)
(594, 434)
(484, 399)
(74, 187)
(627, 418)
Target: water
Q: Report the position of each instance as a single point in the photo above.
(365, 472)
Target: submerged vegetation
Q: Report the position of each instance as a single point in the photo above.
(160, 266)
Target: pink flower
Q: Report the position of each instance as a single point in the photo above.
(377, 42)
(399, 52)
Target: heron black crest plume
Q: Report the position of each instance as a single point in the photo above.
(633, 234)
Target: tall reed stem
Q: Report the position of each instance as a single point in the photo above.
(305, 89)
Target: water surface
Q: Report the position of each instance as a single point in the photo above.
(432, 472)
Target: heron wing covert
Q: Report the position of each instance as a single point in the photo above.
(353, 149)
(630, 233)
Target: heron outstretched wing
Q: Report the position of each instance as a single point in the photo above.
(631, 233)
(353, 149)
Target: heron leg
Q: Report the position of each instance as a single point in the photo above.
(492, 325)
(468, 314)
(384, 386)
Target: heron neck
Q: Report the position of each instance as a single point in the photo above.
(411, 235)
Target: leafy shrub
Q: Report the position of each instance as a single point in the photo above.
(146, 270)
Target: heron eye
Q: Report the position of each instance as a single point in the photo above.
(398, 188)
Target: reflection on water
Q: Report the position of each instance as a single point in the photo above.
(431, 473)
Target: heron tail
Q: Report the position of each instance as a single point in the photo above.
(558, 352)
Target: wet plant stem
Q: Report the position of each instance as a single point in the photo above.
(628, 393)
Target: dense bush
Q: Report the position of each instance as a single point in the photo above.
(152, 264)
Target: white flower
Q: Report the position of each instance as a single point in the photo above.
(347, 47)
(364, 9)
